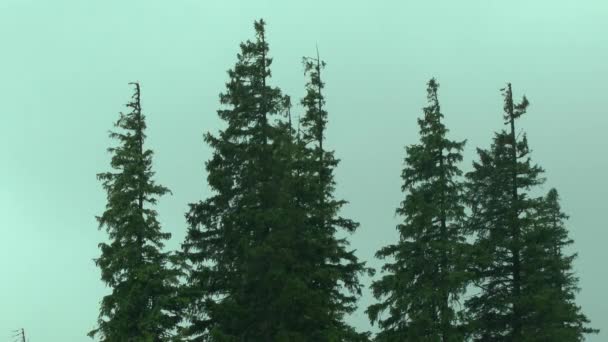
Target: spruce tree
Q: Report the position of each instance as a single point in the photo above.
(241, 240)
(500, 215)
(551, 285)
(427, 276)
(334, 270)
(142, 305)
(516, 266)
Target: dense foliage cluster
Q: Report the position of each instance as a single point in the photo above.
(143, 305)
(478, 258)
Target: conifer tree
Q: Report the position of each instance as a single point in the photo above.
(517, 269)
(333, 269)
(142, 305)
(423, 284)
(240, 244)
(500, 213)
(552, 285)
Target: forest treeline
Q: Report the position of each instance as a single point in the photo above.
(478, 258)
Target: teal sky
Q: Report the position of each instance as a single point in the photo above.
(65, 65)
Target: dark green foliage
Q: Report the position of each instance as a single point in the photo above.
(423, 284)
(264, 264)
(243, 281)
(500, 218)
(262, 260)
(333, 271)
(551, 284)
(515, 259)
(142, 305)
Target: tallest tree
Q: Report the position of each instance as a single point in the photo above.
(264, 262)
(238, 245)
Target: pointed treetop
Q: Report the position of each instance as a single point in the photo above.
(259, 27)
(136, 84)
(553, 195)
(433, 84)
(510, 108)
(432, 112)
(431, 90)
(552, 198)
(311, 63)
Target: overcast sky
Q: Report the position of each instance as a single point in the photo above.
(65, 65)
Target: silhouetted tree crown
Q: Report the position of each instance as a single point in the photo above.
(423, 283)
(142, 305)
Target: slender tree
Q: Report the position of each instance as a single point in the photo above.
(334, 269)
(423, 284)
(142, 305)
